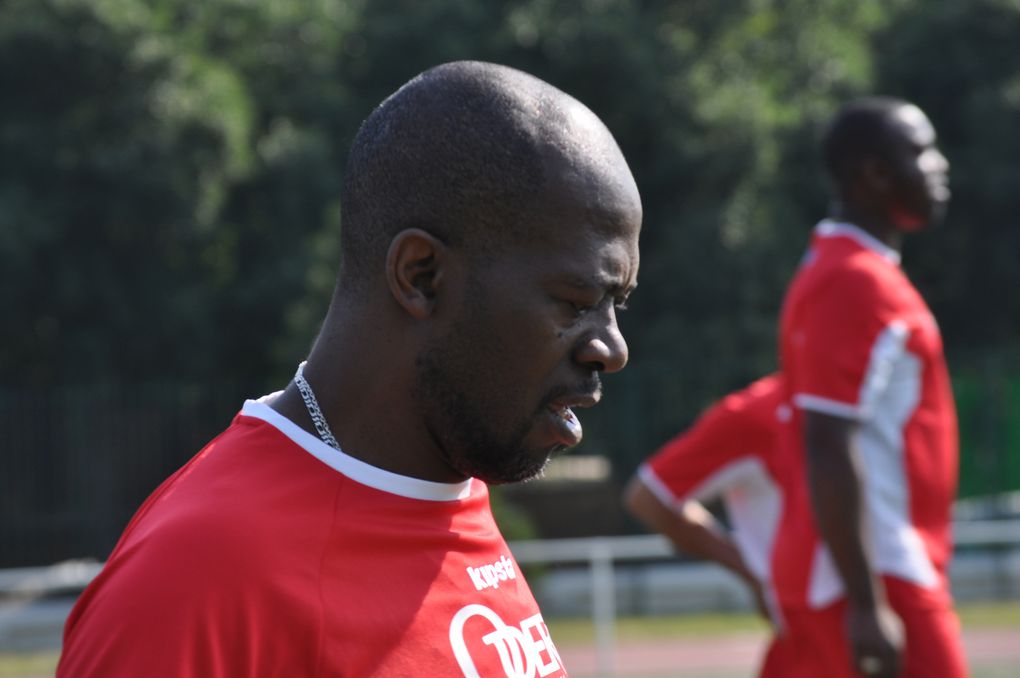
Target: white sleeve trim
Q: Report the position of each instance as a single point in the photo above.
(658, 488)
(886, 352)
(727, 477)
(806, 401)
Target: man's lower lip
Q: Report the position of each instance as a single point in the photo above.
(567, 426)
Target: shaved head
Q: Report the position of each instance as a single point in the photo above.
(860, 130)
(464, 151)
(884, 160)
(489, 237)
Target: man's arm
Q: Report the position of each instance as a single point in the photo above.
(693, 530)
(833, 475)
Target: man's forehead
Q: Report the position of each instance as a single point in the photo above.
(594, 197)
(596, 258)
(914, 123)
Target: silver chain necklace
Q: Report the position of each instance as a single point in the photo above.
(312, 405)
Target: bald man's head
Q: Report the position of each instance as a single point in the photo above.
(861, 129)
(465, 151)
(883, 158)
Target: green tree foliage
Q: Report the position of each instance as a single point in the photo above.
(170, 170)
(116, 155)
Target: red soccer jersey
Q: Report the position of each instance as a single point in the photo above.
(272, 554)
(857, 341)
(729, 452)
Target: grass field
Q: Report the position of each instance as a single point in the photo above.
(703, 631)
(28, 665)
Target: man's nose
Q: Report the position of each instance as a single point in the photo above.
(604, 348)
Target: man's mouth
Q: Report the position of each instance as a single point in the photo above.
(939, 190)
(567, 425)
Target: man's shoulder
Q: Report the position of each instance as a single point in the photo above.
(243, 495)
(850, 275)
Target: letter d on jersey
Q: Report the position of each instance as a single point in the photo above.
(524, 652)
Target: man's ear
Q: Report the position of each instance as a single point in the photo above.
(414, 270)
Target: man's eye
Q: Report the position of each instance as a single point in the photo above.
(580, 308)
(575, 307)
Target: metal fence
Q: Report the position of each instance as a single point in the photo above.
(77, 461)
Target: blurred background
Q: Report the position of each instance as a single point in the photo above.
(169, 217)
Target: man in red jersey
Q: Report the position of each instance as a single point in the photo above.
(860, 558)
(341, 527)
(730, 452)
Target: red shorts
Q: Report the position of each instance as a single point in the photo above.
(780, 660)
(814, 643)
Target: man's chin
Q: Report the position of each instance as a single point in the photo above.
(938, 213)
(911, 222)
(529, 468)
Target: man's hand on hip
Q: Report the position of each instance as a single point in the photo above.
(875, 634)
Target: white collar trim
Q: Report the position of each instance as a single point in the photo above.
(355, 469)
(829, 228)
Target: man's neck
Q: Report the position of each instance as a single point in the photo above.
(364, 395)
(879, 227)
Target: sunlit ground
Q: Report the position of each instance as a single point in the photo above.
(729, 645)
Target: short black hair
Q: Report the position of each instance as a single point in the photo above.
(859, 130)
(458, 151)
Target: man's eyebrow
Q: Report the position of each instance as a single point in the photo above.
(615, 285)
(608, 283)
